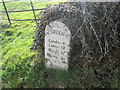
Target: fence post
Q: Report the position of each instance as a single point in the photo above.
(33, 10)
(6, 11)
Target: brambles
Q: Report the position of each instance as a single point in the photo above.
(94, 42)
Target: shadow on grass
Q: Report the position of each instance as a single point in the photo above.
(57, 78)
(6, 26)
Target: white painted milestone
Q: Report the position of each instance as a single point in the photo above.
(57, 45)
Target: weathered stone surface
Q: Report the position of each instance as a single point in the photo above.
(57, 45)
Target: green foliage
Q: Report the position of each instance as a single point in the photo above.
(20, 66)
(17, 57)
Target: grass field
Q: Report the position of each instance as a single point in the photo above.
(18, 62)
(20, 66)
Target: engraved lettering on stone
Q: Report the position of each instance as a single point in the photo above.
(57, 45)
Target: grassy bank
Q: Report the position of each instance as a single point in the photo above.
(19, 63)
(21, 67)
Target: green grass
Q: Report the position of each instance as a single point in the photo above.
(16, 55)
(20, 67)
(12, 6)
(63, 79)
